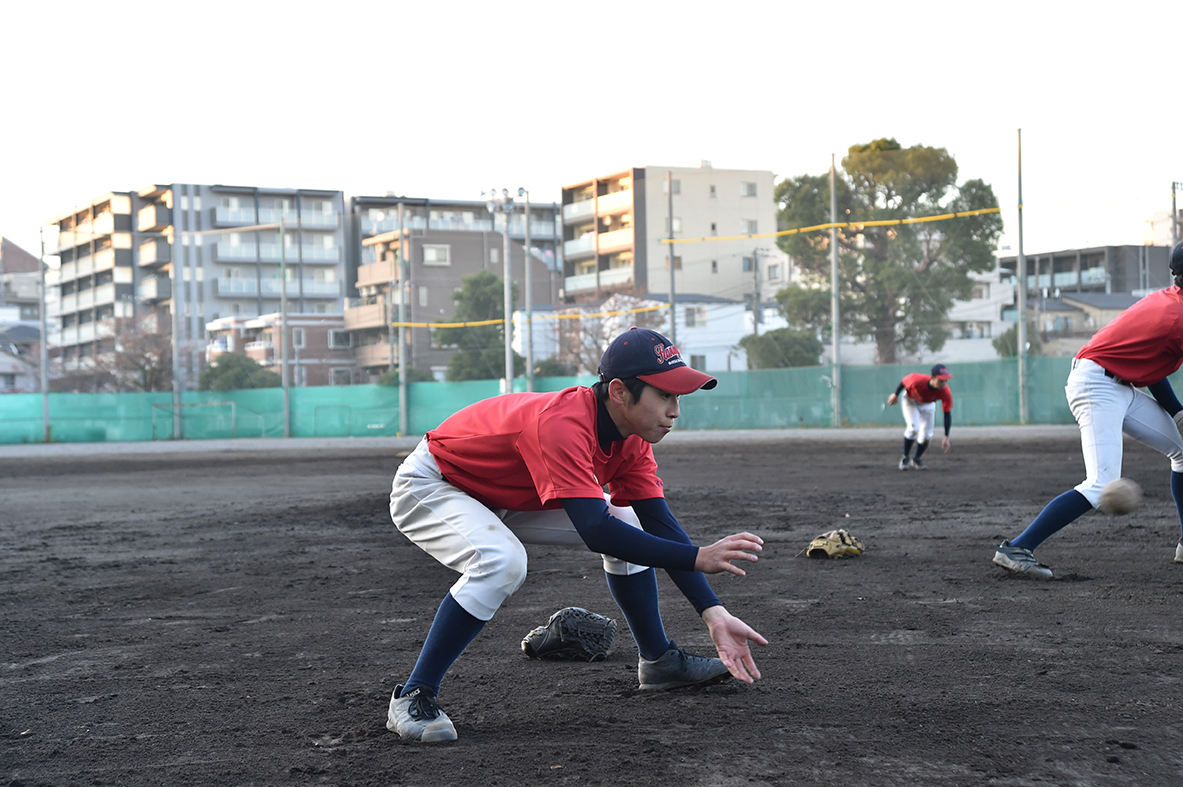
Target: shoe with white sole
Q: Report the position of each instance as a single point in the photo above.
(416, 716)
(1020, 560)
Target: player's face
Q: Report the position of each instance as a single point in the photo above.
(936, 382)
(652, 416)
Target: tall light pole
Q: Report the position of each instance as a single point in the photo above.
(529, 322)
(669, 188)
(404, 268)
(1021, 306)
(836, 388)
(175, 275)
(1174, 215)
(45, 431)
(501, 202)
(283, 334)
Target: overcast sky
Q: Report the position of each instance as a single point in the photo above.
(444, 100)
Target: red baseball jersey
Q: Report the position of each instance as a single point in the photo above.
(918, 390)
(1144, 343)
(528, 451)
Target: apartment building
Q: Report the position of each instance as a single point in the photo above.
(121, 254)
(442, 242)
(614, 227)
(319, 351)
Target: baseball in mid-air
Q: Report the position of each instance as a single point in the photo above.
(1121, 496)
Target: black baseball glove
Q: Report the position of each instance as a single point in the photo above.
(571, 634)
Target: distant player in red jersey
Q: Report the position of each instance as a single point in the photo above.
(531, 468)
(1138, 349)
(919, 405)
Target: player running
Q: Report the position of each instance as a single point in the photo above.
(919, 405)
(1138, 349)
(530, 468)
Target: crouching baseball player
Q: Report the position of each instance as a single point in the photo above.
(919, 405)
(1138, 349)
(529, 468)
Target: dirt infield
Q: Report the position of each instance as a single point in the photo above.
(241, 619)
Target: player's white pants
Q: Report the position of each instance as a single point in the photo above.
(1104, 409)
(484, 545)
(918, 418)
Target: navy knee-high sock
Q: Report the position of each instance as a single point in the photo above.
(1177, 493)
(908, 445)
(451, 632)
(1057, 514)
(921, 448)
(636, 595)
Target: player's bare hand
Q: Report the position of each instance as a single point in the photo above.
(945, 444)
(892, 399)
(731, 637)
(718, 556)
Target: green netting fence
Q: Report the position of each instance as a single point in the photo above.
(984, 393)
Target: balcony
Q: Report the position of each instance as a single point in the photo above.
(312, 253)
(370, 226)
(580, 247)
(616, 202)
(232, 217)
(290, 217)
(153, 218)
(608, 278)
(456, 223)
(155, 252)
(104, 294)
(155, 288)
(225, 287)
(577, 211)
(239, 252)
(373, 355)
(376, 274)
(319, 221)
(372, 315)
(617, 240)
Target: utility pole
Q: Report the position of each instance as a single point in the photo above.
(836, 373)
(1174, 215)
(1021, 307)
(756, 291)
(403, 268)
(178, 252)
(669, 187)
(529, 322)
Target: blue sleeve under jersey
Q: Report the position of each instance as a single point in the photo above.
(1164, 394)
(662, 544)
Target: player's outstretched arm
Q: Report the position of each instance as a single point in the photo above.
(718, 556)
(731, 636)
(892, 399)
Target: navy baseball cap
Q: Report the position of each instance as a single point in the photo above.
(646, 354)
(941, 372)
(1177, 260)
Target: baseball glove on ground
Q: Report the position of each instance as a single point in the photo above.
(571, 634)
(835, 544)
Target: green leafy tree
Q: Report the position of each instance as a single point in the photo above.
(805, 308)
(1006, 345)
(897, 282)
(782, 348)
(390, 376)
(553, 367)
(481, 348)
(236, 372)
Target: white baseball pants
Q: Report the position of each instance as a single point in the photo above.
(919, 418)
(1104, 408)
(484, 545)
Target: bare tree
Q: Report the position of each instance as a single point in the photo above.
(138, 354)
(585, 331)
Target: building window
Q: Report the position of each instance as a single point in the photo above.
(677, 186)
(301, 377)
(748, 262)
(677, 263)
(342, 377)
(773, 272)
(696, 317)
(698, 362)
(677, 224)
(436, 255)
(747, 189)
(714, 266)
(750, 226)
(423, 297)
(7, 382)
(981, 290)
(712, 191)
(297, 337)
(340, 339)
(714, 228)
(495, 255)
